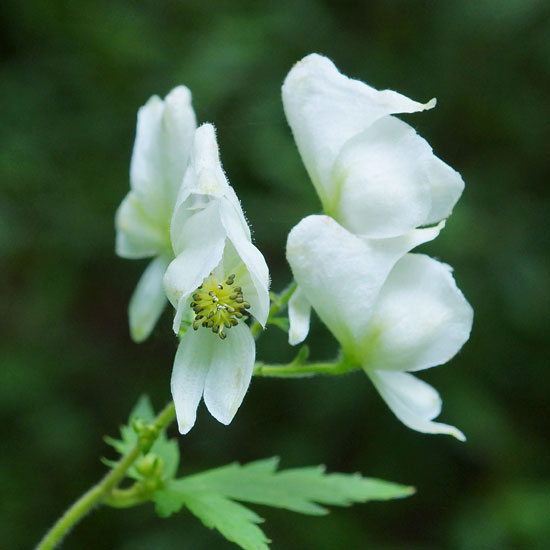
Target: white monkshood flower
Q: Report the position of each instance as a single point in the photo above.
(373, 173)
(164, 135)
(217, 278)
(390, 312)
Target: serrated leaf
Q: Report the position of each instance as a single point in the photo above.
(210, 495)
(166, 449)
(168, 501)
(235, 522)
(300, 490)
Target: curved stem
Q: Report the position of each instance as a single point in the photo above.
(97, 493)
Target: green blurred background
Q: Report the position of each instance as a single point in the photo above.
(72, 77)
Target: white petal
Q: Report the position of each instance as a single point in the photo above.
(446, 186)
(191, 366)
(299, 314)
(324, 109)
(149, 300)
(380, 186)
(179, 124)
(197, 227)
(413, 401)
(161, 149)
(205, 243)
(137, 234)
(398, 246)
(420, 319)
(203, 183)
(231, 363)
(342, 274)
(253, 260)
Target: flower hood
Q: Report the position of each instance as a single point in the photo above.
(373, 173)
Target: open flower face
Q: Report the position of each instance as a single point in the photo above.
(216, 281)
(390, 312)
(161, 151)
(373, 173)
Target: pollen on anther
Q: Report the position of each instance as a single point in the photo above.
(218, 306)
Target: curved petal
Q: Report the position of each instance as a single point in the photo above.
(420, 319)
(446, 186)
(253, 260)
(380, 186)
(413, 401)
(191, 366)
(342, 274)
(137, 234)
(231, 363)
(178, 124)
(299, 314)
(325, 109)
(203, 183)
(204, 244)
(398, 246)
(197, 228)
(161, 149)
(148, 300)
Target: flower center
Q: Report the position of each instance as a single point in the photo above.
(218, 305)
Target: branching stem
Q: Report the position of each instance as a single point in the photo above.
(100, 492)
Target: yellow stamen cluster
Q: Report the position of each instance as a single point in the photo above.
(218, 305)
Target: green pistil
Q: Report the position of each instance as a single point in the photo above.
(218, 305)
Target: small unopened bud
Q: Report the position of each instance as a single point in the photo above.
(147, 433)
(150, 465)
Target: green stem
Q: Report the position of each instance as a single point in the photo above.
(293, 370)
(278, 302)
(98, 493)
(126, 498)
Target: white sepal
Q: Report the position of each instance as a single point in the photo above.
(137, 234)
(299, 315)
(161, 149)
(413, 401)
(420, 319)
(148, 300)
(341, 274)
(325, 109)
(230, 371)
(253, 260)
(204, 182)
(191, 366)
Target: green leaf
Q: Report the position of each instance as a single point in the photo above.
(210, 495)
(234, 521)
(166, 449)
(300, 490)
(168, 501)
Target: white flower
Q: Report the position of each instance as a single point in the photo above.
(161, 150)
(373, 173)
(390, 312)
(216, 279)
